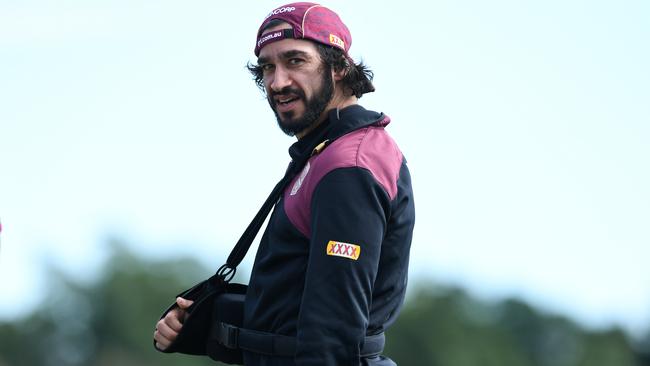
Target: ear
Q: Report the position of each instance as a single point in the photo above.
(338, 75)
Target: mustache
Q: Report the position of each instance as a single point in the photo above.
(287, 90)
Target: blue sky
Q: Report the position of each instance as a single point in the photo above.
(525, 124)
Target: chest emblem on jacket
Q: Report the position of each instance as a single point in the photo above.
(301, 178)
(345, 250)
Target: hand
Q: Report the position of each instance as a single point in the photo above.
(167, 328)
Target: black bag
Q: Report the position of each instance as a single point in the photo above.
(228, 308)
(208, 310)
(218, 301)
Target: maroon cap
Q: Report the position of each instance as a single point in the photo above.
(308, 21)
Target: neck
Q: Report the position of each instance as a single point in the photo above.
(338, 102)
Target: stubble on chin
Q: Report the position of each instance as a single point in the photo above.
(288, 123)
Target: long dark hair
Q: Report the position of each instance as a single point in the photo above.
(357, 77)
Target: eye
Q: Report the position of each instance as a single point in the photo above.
(266, 67)
(296, 61)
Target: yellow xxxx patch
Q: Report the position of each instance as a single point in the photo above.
(345, 250)
(337, 41)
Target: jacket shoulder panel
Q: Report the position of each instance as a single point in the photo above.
(369, 148)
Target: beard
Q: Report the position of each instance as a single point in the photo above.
(314, 106)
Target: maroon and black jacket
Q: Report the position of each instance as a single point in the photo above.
(333, 261)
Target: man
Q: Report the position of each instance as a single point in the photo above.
(332, 265)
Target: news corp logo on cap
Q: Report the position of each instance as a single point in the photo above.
(307, 21)
(284, 9)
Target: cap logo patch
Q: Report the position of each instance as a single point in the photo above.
(345, 250)
(286, 9)
(337, 41)
(269, 37)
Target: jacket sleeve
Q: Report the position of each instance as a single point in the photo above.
(349, 211)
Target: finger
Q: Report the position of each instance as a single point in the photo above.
(166, 332)
(173, 320)
(161, 347)
(184, 303)
(161, 342)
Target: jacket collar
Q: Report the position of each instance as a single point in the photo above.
(337, 124)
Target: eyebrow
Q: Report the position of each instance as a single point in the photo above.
(262, 60)
(285, 55)
(294, 53)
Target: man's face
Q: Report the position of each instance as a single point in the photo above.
(298, 85)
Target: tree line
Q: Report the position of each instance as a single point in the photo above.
(110, 322)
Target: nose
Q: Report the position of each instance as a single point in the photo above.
(280, 79)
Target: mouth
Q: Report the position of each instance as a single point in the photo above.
(285, 103)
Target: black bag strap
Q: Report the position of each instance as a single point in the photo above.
(227, 271)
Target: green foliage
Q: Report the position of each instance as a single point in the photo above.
(111, 322)
(446, 327)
